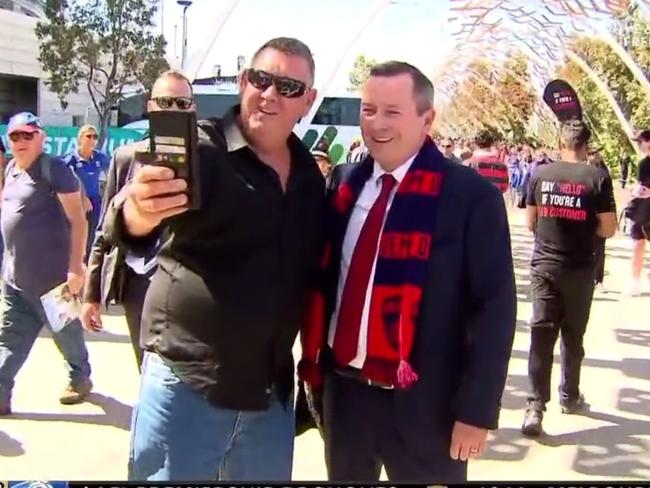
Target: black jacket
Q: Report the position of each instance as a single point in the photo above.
(467, 314)
(104, 278)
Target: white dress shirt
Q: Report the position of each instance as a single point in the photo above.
(364, 203)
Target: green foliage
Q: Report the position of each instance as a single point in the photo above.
(507, 100)
(629, 30)
(496, 96)
(360, 72)
(102, 45)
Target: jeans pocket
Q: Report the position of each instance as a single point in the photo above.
(155, 368)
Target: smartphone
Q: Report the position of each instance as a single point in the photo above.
(173, 143)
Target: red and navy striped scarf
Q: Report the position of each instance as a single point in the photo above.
(401, 273)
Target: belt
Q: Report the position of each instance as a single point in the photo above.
(355, 374)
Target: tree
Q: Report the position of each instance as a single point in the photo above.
(106, 45)
(493, 95)
(631, 31)
(360, 72)
(513, 86)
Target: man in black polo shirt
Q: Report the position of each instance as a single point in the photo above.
(224, 307)
(569, 204)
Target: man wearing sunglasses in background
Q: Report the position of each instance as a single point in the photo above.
(225, 305)
(113, 274)
(89, 165)
(44, 230)
(447, 146)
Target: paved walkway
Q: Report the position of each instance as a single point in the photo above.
(45, 440)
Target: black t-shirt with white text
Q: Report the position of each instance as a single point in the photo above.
(568, 197)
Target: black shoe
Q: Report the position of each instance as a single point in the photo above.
(532, 423)
(573, 406)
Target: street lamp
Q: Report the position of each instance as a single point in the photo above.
(185, 4)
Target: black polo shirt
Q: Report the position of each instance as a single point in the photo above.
(225, 305)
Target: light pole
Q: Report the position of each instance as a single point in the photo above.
(185, 4)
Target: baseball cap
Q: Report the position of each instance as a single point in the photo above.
(24, 122)
(642, 135)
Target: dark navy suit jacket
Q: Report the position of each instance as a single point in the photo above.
(467, 317)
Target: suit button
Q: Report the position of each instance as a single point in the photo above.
(268, 391)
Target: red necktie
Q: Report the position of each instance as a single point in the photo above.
(346, 338)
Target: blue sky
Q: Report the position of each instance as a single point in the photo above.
(412, 30)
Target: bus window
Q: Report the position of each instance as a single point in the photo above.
(209, 105)
(338, 111)
(132, 109)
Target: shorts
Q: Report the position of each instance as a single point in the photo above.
(639, 232)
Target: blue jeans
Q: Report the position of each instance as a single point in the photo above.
(21, 319)
(176, 434)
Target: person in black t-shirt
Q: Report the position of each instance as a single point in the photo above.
(568, 204)
(640, 232)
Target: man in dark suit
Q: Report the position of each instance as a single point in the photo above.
(411, 335)
(112, 273)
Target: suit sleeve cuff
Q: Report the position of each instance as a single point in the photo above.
(483, 419)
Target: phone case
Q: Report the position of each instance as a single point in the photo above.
(173, 142)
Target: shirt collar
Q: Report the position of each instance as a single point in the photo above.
(232, 132)
(399, 173)
(80, 158)
(236, 140)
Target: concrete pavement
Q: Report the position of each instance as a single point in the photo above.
(45, 440)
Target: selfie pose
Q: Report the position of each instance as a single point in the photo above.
(224, 306)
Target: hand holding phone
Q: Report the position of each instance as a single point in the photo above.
(154, 194)
(173, 145)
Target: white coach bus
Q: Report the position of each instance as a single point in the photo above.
(334, 123)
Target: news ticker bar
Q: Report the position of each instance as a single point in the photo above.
(121, 484)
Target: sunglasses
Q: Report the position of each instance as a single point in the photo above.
(18, 136)
(286, 87)
(90, 136)
(182, 103)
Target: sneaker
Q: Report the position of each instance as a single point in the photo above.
(5, 407)
(76, 391)
(634, 289)
(532, 426)
(573, 406)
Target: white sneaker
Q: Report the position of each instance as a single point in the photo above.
(635, 289)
